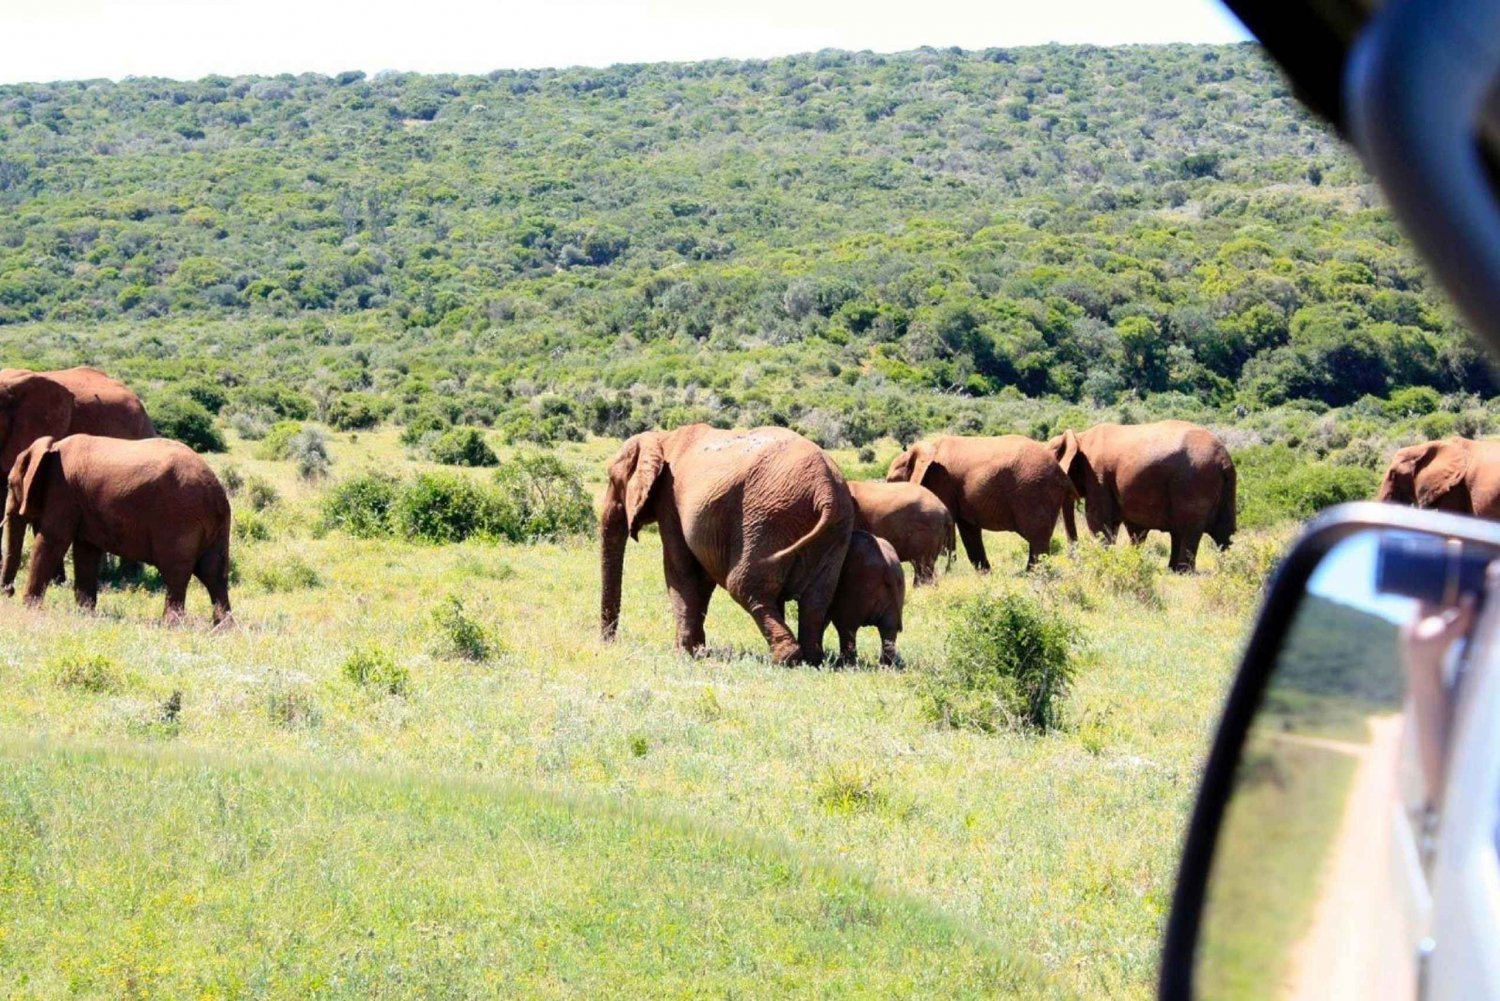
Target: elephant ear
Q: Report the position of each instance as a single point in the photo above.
(1442, 467)
(645, 467)
(924, 462)
(36, 458)
(35, 407)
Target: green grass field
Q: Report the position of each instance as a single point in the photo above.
(574, 818)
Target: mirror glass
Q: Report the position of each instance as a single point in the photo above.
(1319, 881)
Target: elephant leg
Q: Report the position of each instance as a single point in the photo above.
(212, 571)
(86, 558)
(848, 646)
(784, 646)
(689, 588)
(924, 570)
(1185, 550)
(46, 557)
(1137, 533)
(888, 655)
(973, 539)
(1038, 546)
(813, 606)
(176, 582)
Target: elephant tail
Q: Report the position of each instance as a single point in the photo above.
(950, 544)
(1224, 524)
(1070, 526)
(832, 517)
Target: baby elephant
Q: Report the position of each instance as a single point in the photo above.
(152, 501)
(910, 517)
(871, 592)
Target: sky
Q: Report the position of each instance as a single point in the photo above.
(42, 40)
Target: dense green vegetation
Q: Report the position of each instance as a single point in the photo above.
(856, 245)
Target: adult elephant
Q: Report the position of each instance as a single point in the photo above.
(911, 518)
(1169, 476)
(1004, 484)
(1453, 474)
(763, 514)
(67, 401)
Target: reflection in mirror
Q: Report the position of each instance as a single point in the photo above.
(1319, 881)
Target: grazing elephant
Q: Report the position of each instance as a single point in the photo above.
(1171, 476)
(153, 501)
(67, 401)
(763, 514)
(910, 517)
(871, 592)
(1454, 474)
(1004, 484)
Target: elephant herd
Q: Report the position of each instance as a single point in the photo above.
(766, 515)
(87, 473)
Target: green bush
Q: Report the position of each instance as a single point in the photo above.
(94, 673)
(356, 412)
(375, 669)
(290, 574)
(249, 526)
(460, 634)
(1278, 483)
(446, 507)
(463, 447)
(308, 448)
(361, 505)
(277, 441)
(1122, 569)
(182, 418)
(261, 493)
(547, 496)
(1009, 664)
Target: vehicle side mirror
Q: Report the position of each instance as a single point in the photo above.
(1349, 806)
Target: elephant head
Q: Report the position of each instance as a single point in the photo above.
(27, 485)
(1425, 475)
(31, 406)
(920, 465)
(1099, 505)
(633, 475)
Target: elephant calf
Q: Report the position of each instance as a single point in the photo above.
(910, 517)
(152, 501)
(871, 592)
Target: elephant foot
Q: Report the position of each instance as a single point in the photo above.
(9, 590)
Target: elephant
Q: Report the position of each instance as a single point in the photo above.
(910, 517)
(871, 592)
(764, 514)
(1453, 474)
(152, 501)
(68, 401)
(1169, 476)
(1004, 484)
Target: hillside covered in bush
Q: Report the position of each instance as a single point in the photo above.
(852, 244)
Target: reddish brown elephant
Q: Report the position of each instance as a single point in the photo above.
(763, 514)
(1170, 476)
(1454, 474)
(1004, 484)
(910, 517)
(153, 501)
(67, 401)
(871, 592)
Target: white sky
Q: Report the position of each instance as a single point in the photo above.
(72, 39)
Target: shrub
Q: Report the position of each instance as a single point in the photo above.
(849, 787)
(463, 447)
(277, 440)
(261, 493)
(232, 479)
(361, 505)
(291, 709)
(443, 507)
(461, 634)
(1009, 663)
(291, 574)
(1241, 571)
(251, 527)
(94, 673)
(374, 668)
(308, 448)
(182, 418)
(547, 496)
(356, 412)
(1122, 569)
(251, 425)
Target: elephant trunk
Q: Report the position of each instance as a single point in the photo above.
(612, 536)
(15, 534)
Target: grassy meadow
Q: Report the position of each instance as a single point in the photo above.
(223, 815)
